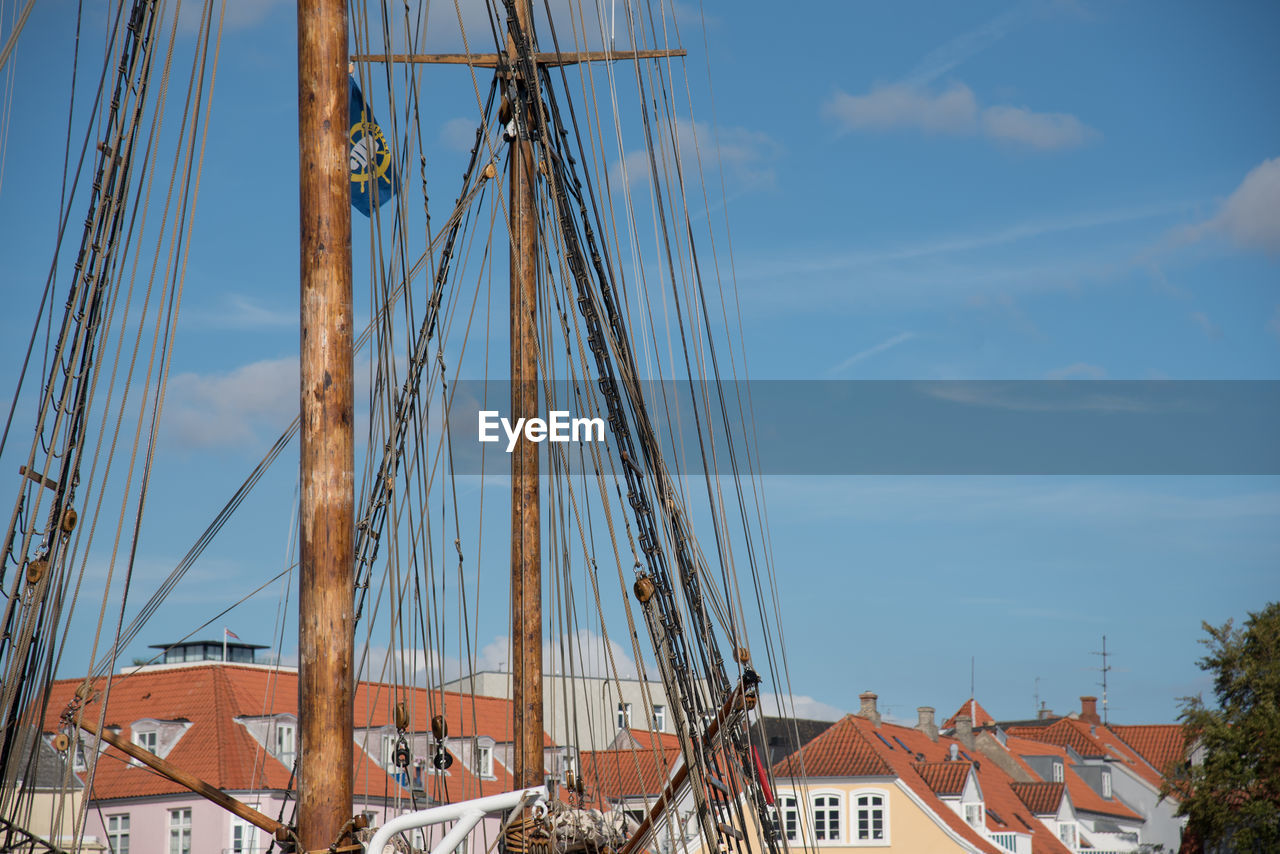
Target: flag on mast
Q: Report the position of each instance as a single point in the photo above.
(230, 633)
(373, 178)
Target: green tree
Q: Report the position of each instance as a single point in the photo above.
(1232, 797)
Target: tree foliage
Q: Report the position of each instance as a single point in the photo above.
(1231, 795)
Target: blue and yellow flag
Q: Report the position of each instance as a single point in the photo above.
(373, 177)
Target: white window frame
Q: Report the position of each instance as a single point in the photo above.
(972, 818)
(180, 831)
(1106, 785)
(286, 743)
(148, 740)
(833, 804)
(855, 814)
(482, 762)
(248, 841)
(624, 715)
(118, 832)
(1068, 835)
(1059, 774)
(659, 717)
(789, 809)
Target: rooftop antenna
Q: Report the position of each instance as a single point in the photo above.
(1105, 668)
(973, 702)
(1036, 697)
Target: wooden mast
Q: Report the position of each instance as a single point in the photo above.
(526, 547)
(326, 505)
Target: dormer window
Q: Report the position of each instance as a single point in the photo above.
(286, 744)
(973, 815)
(1057, 772)
(1106, 785)
(483, 765)
(147, 739)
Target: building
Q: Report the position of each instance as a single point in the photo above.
(234, 725)
(586, 711)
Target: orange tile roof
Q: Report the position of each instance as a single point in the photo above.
(1064, 732)
(653, 740)
(614, 775)
(220, 751)
(945, 778)
(1040, 798)
(980, 716)
(1083, 796)
(1162, 745)
(840, 751)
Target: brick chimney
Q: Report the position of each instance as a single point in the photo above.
(1089, 710)
(964, 731)
(868, 709)
(925, 724)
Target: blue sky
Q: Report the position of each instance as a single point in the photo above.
(915, 190)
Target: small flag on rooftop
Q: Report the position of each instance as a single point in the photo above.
(373, 179)
(230, 633)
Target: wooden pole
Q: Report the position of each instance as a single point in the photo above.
(526, 548)
(191, 781)
(326, 510)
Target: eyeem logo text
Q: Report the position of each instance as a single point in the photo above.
(558, 428)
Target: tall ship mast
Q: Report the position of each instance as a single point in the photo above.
(581, 338)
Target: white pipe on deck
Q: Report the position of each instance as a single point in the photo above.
(467, 814)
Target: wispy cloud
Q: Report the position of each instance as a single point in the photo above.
(955, 111)
(1211, 330)
(244, 313)
(239, 14)
(745, 156)
(968, 45)
(900, 338)
(207, 410)
(1250, 217)
(1079, 370)
(799, 706)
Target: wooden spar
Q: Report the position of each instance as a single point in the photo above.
(493, 60)
(192, 782)
(327, 501)
(669, 792)
(526, 530)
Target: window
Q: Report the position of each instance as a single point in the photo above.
(242, 837)
(118, 833)
(1106, 784)
(484, 760)
(826, 818)
(146, 739)
(180, 831)
(389, 753)
(285, 744)
(790, 818)
(973, 815)
(870, 817)
(1057, 772)
(1067, 833)
(659, 717)
(624, 715)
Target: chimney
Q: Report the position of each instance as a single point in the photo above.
(1089, 710)
(964, 731)
(868, 709)
(1046, 714)
(925, 724)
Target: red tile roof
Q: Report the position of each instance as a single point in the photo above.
(221, 751)
(945, 778)
(840, 751)
(648, 740)
(1040, 798)
(979, 715)
(1161, 745)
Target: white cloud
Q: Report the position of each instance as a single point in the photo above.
(967, 45)
(204, 410)
(459, 134)
(1045, 131)
(745, 156)
(1250, 217)
(1212, 330)
(584, 654)
(243, 313)
(899, 106)
(799, 706)
(239, 15)
(955, 111)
